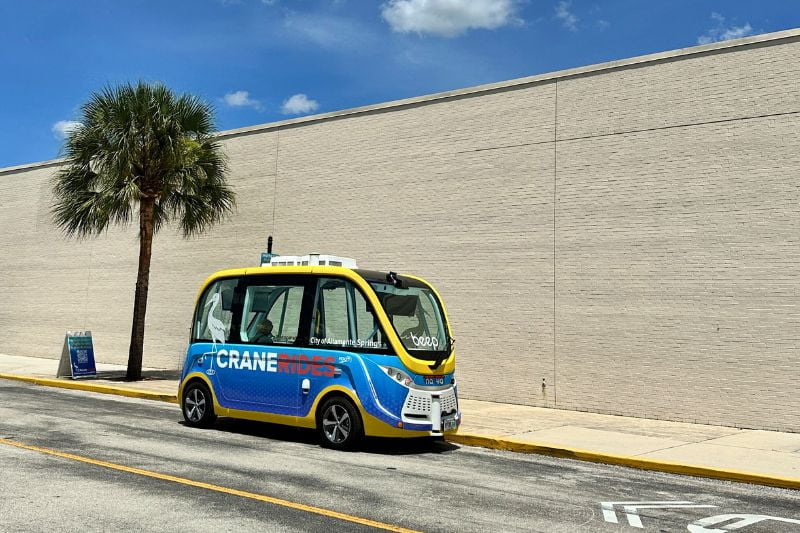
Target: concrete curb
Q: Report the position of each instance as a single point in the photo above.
(483, 441)
(502, 443)
(94, 387)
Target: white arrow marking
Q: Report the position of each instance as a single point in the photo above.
(744, 520)
(610, 515)
(635, 521)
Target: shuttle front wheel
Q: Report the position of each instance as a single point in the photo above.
(339, 424)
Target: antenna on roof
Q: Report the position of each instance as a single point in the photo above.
(268, 255)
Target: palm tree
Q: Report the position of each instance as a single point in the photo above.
(142, 147)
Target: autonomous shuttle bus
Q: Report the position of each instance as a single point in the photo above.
(315, 342)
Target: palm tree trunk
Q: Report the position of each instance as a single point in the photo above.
(146, 211)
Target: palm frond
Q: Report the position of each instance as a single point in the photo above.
(142, 141)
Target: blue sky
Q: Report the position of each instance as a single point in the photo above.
(260, 61)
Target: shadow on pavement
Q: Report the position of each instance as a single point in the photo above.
(374, 445)
(147, 375)
(265, 430)
(415, 446)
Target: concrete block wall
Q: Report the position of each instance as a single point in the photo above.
(476, 224)
(677, 229)
(620, 238)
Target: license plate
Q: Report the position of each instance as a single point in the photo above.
(449, 424)
(434, 380)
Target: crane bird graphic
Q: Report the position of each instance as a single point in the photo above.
(216, 327)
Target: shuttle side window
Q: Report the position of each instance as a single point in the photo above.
(343, 318)
(215, 312)
(271, 314)
(367, 329)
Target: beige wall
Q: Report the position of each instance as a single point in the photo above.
(627, 234)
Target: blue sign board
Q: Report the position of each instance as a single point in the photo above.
(265, 258)
(79, 352)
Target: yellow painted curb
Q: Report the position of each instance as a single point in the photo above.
(502, 443)
(94, 387)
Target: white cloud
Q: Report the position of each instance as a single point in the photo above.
(62, 128)
(567, 18)
(299, 104)
(737, 32)
(448, 18)
(721, 32)
(327, 31)
(242, 99)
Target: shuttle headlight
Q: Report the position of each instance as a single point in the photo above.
(398, 375)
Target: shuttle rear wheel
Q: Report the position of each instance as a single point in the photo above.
(198, 405)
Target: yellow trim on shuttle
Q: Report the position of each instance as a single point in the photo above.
(373, 427)
(413, 364)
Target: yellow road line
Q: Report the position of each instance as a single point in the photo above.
(208, 486)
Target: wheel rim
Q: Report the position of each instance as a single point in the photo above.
(195, 405)
(336, 424)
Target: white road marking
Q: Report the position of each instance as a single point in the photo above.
(635, 521)
(630, 508)
(743, 520)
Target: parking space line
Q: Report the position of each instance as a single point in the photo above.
(216, 488)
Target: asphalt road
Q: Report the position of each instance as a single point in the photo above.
(155, 474)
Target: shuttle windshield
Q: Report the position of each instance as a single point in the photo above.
(417, 317)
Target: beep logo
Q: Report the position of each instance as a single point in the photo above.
(316, 365)
(423, 341)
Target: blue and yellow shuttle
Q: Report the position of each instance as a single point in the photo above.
(315, 342)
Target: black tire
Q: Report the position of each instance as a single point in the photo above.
(198, 405)
(339, 424)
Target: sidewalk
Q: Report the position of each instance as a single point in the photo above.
(765, 457)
